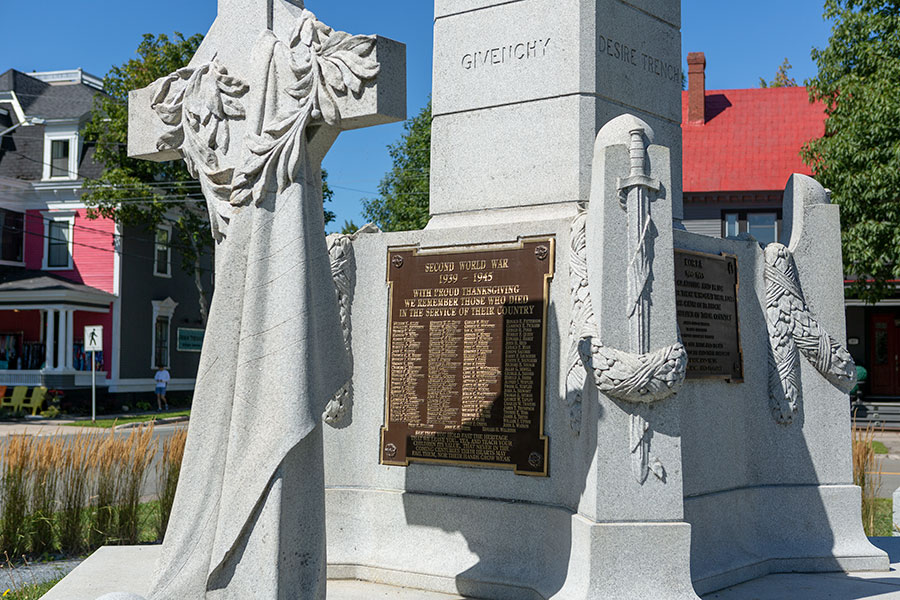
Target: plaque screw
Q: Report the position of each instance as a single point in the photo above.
(534, 459)
(542, 252)
(397, 261)
(391, 450)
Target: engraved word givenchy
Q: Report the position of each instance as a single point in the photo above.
(481, 59)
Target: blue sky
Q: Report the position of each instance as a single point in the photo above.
(742, 41)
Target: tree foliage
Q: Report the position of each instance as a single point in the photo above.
(403, 201)
(782, 78)
(859, 156)
(143, 193)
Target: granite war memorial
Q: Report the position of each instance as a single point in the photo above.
(554, 390)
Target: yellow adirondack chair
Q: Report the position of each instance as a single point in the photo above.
(35, 400)
(16, 399)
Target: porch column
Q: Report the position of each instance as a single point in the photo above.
(61, 346)
(70, 339)
(51, 333)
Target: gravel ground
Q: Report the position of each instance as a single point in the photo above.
(14, 577)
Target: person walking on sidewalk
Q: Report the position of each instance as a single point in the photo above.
(162, 381)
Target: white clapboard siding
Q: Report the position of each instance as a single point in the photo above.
(710, 227)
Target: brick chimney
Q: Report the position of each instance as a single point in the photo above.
(696, 88)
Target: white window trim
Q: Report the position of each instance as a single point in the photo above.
(74, 153)
(168, 273)
(161, 308)
(68, 217)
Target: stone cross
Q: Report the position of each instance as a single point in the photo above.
(238, 26)
(252, 115)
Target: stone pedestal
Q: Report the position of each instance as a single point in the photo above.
(543, 76)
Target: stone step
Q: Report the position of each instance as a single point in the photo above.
(125, 569)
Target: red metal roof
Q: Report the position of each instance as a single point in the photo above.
(751, 139)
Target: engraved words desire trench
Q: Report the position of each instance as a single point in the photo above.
(466, 355)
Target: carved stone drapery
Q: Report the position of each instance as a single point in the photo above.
(793, 330)
(343, 272)
(308, 70)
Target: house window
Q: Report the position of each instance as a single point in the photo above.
(59, 158)
(162, 256)
(58, 244)
(732, 225)
(12, 236)
(763, 225)
(161, 345)
(163, 311)
(58, 239)
(61, 152)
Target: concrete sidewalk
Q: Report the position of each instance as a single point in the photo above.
(125, 568)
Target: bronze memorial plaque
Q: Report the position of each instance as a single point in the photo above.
(466, 353)
(706, 287)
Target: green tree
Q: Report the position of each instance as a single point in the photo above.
(859, 156)
(403, 201)
(142, 193)
(782, 79)
(145, 194)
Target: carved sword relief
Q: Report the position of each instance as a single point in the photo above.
(636, 377)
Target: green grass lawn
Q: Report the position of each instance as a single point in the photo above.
(147, 518)
(107, 423)
(879, 448)
(30, 592)
(884, 509)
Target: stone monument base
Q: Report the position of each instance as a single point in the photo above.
(129, 568)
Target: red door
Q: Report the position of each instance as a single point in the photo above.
(884, 368)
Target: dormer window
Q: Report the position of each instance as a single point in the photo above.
(59, 158)
(61, 149)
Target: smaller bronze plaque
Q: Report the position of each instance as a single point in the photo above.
(706, 287)
(467, 338)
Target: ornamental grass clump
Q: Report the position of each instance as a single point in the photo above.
(866, 474)
(104, 466)
(134, 456)
(74, 486)
(48, 454)
(76, 493)
(167, 471)
(17, 468)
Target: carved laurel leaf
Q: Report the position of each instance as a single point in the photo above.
(324, 64)
(197, 103)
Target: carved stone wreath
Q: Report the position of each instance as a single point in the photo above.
(636, 378)
(793, 330)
